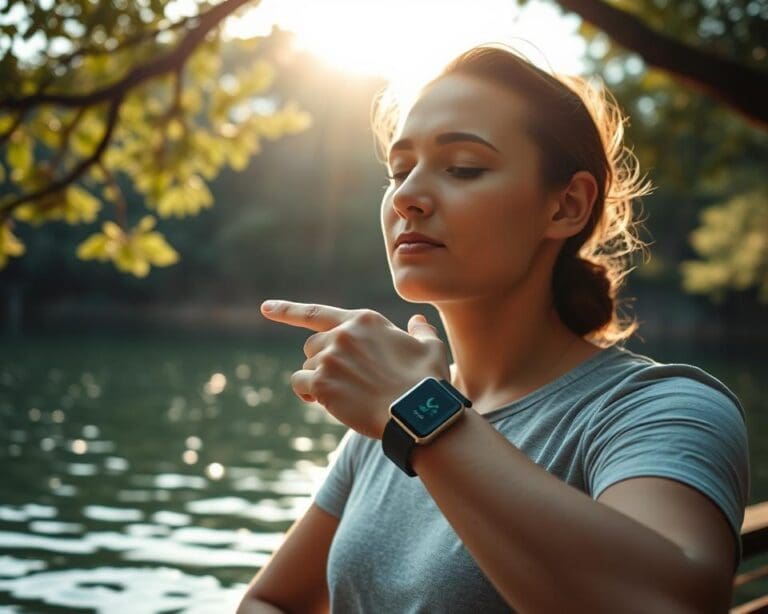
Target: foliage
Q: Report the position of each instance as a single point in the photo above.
(180, 136)
(132, 252)
(9, 245)
(119, 93)
(704, 158)
(733, 238)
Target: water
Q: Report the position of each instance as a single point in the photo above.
(149, 476)
(152, 475)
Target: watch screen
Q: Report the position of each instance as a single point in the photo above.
(426, 408)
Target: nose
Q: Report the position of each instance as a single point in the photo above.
(412, 198)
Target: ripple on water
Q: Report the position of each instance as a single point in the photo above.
(172, 519)
(12, 567)
(151, 543)
(135, 590)
(112, 514)
(178, 480)
(10, 539)
(269, 510)
(55, 527)
(22, 513)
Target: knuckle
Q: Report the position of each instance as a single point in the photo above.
(312, 313)
(368, 316)
(344, 337)
(321, 388)
(331, 363)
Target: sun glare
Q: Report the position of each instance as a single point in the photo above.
(404, 41)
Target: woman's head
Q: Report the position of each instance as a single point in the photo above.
(556, 140)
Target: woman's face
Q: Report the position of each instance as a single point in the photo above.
(481, 200)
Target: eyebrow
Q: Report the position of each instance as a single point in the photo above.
(444, 139)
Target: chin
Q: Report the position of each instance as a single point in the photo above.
(414, 290)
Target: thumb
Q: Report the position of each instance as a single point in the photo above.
(421, 329)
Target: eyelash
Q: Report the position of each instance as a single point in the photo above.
(465, 172)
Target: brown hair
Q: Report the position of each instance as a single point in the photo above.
(577, 125)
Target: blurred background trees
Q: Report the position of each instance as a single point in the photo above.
(119, 91)
(700, 124)
(279, 140)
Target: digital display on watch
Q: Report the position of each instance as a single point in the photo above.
(425, 412)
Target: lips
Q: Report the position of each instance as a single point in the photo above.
(416, 237)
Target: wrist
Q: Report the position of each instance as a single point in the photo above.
(419, 416)
(449, 440)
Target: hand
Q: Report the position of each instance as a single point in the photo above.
(359, 362)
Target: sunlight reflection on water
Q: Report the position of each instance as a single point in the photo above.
(126, 589)
(190, 462)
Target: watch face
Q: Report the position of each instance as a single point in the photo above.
(426, 408)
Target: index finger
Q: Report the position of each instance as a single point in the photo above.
(307, 315)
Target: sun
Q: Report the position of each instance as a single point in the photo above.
(405, 41)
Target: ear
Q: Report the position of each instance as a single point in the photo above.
(571, 207)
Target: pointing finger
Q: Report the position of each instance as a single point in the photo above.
(306, 315)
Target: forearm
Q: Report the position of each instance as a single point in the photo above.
(545, 545)
(252, 605)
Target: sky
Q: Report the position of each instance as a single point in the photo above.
(401, 39)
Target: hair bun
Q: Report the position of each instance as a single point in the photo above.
(583, 294)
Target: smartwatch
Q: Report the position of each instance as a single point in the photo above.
(418, 416)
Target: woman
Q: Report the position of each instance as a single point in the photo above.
(584, 478)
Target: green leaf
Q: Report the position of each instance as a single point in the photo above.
(10, 246)
(157, 250)
(81, 206)
(95, 247)
(19, 155)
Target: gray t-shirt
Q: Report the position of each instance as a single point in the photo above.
(617, 415)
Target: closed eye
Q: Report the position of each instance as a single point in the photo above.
(459, 172)
(465, 172)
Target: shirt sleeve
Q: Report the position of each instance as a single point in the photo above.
(335, 486)
(689, 429)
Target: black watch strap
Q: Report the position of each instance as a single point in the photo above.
(398, 446)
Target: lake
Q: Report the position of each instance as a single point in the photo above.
(151, 474)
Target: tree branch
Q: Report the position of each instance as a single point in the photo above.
(736, 84)
(121, 205)
(79, 169)
(114, 94)
(16, 123)
(64, 138)
(207, 21)
(140, 37)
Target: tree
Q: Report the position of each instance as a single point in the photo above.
(675, 61)
(152, 107)
(718, 47)
(141, 99)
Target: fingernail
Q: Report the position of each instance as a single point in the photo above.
(269, 306)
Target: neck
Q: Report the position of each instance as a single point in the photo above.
(507, 346)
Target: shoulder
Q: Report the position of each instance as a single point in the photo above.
(642, 382)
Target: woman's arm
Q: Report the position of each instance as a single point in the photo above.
(294, 579)
(547, 547)
(251, 605)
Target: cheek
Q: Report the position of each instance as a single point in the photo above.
(503, 234)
